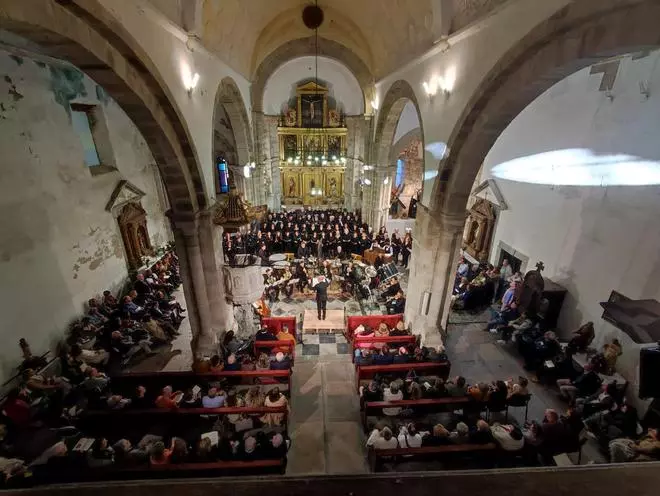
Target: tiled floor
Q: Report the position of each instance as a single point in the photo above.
(322, 345)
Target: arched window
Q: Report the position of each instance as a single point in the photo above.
(399, 172)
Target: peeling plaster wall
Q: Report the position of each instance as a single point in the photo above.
(58, 244)
(592, 240)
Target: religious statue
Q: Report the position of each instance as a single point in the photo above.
(333, 187)
(292, 187)
(290, 116)
(333, 118)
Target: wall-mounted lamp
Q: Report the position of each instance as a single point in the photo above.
(246, 171)
(445, 84)
(386, 181)
(367, 182)
(190, 79)
(375, 103)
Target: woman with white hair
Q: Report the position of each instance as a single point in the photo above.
(382, 439)
(461, 435)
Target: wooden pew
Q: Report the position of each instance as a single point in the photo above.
(372, 321)
(275, 324)
(427, 405)
(375, 456)
(361, 341)
(441, 369)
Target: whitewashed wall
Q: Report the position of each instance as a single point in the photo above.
(58, 245)
(592, 239)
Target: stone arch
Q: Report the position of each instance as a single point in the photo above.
(76, 36)
(229, 96)
(578, 35)
(306, 46)
(388, 117)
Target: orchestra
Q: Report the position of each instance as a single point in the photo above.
(299, 247)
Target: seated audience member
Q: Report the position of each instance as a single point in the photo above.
(482, 434)
(204, 452)
(90, 357)
(275, 399)
(410, 437)
(263, 362)
(627, 450)
(248, 449)
(515, 327)
(16, 407)
(127, 456)
(393, 288)
(159, 455)
(413, 390)
(519, 388)
(214, 398)
(129, 306)
(232, 364)
(457, 387)
(503, 317)
(178, 450)
(264, 334)
(392, 393)
(461, 435)
(285, 336)
(509, 437)
(396, 305)
(94, 314)
(139, 399)
(117, 402)
(281, 362)
(436, 390)
(480, 392)
(545, 348)
(142, 287)
(438, 437)
(94, 380)
(383, 357)
(254, 398)
(382, 439)
(216, 364)
(168, 398)
(109, 302)
(371, 393)
(274, 446)
(191, 399)
(606, 398)
(363, 356)
(101, 454)
(401, 356)
(38, 383)
(584, 385)
(498, 394)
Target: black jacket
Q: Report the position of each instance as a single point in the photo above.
(322, 291)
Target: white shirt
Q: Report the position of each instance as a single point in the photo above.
(408, 441)
(379, 442)
(388, 396)
(505, 272)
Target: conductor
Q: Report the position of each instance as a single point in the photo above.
(321, 288)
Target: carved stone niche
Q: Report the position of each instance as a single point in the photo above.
(479, 229)
(244, 283)
(125, 206)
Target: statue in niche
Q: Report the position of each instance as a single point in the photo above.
(290, 116)
(333, 118)
(133, 227)
(292, 187)
(333, 187)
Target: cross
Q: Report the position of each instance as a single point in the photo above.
(540, 266)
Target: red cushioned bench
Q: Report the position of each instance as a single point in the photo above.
(373, 321)
(275, 346)
(275, 324)
(441, 369)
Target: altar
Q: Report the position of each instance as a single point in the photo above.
(312, 149)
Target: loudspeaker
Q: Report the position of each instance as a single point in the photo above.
(649, 373)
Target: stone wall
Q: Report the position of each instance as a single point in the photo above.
(58, 244)
(592, 239)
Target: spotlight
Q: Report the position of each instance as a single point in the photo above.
(309, 162)
(290, 159)
(367, 182)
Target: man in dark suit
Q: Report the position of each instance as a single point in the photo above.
(321, 288)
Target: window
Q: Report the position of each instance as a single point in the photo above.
(83, 128)
(90, 126)
(223, 176)
(399, 172)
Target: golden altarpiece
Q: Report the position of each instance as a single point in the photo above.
(312, 141)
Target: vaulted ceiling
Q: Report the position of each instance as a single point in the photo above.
(384, 34)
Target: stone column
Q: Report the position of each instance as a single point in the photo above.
(187, 244)
(210, 238)
(436, 245)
